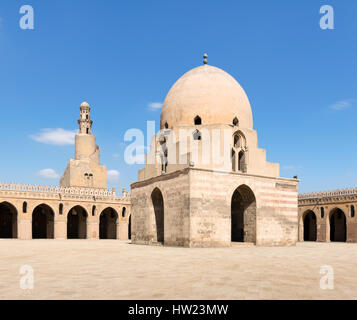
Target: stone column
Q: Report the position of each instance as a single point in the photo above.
(24, 231)
(92, 230)
(122, 230)
(60, 229)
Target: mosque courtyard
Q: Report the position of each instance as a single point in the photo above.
(110, 269)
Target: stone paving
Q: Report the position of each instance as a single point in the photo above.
(110, 269)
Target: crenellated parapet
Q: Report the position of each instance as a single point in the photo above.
(326, 197)
(55, 192)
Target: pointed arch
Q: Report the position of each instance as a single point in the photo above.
(77, 223)
(43, 222)
(158, 205)
(243, 215)
(309, 225)
(108, 221)
(338, 225)
(8, 220)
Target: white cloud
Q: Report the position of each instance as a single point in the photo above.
(113, 175)
(57, 136)
(341, 105)
(154, 106)
(291, 167)
(48, 174)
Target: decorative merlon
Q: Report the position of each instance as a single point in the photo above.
(63, 191)
(327, 194)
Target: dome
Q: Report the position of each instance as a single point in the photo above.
(209, 93)
(85, 104)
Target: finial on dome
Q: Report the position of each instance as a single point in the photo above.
(205, 56)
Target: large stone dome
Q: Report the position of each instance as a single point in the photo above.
(207, 92)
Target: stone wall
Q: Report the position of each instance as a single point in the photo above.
(197, 208)
(87, 198)
(323, 205)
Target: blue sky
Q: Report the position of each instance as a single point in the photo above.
(120, 56)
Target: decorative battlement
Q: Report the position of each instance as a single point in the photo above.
(62, 191)
(328, 197)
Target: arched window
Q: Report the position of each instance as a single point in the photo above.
(241, 161)
(198, 121)
(123, 212)
(235, 121)
(24, 207)
(322, 212)
(166, 125)
(352, 211)
(197, 135)
(87, 130)
(164, 156)
(60, 209)
(93, 210)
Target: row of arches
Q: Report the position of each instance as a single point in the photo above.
(243, 215)
(43, 222)
(337, 225)
(60, 209)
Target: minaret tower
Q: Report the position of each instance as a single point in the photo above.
(84, 122)
(85, 169)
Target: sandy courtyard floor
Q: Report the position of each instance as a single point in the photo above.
(107, 269)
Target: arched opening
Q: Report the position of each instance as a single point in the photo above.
(8, 221)
(241, 161)
(310, 226)
(233, 160)
(158, 203)
(235, 121)
(197, 135)
(24, 207)
(338, 227)
(129, 228)
(94, 208)
(166, 125)
(43, 222)
(243, 215)
(198, 120)
(108, 224)
(60, 209)
(123, 212)
(322, 212)
(352, 211)
(77, 223)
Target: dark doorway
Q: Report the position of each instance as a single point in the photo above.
(77, 223)
(310, 226)
(158, 203)
(129, 228)
(43, 222)
(8, 221)
(243, 215)
(108, 224)
(338, 228)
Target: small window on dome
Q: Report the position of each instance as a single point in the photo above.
(198, 121)
(235, 121)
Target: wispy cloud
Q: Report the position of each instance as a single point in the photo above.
(57, 136)
(48, 174)
(113, 175)
(154, 106)
(290, 167)
(343, 104)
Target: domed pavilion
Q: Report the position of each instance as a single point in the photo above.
(205, 182)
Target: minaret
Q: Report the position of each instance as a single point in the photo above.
(85, 169)
(84, 122)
